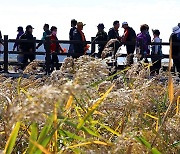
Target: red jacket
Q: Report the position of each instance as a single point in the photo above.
(55, 46)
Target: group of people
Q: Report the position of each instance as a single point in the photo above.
(139, 42)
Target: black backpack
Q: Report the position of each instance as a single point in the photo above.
(132, 35)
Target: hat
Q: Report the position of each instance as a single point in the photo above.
(176, 29)
(29, 26)
(101, 25)
(156, 31)
(20, 29)
(124, 23)
(80, 24)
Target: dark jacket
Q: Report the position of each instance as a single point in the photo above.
(18, 37)
(101, 36)
(0, 37)
(175, 48)
(71, 33)
(79, 47)
(26, 46)
(113, 34)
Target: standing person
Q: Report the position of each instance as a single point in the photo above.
(114, 34)
(129, 36)
(156, 53)
(46, 33)
(73, 27)
(20, 33)
(27, 48)
(54, 49)
(175, 36)
(142, 43)
(101, 36)
(79, 48)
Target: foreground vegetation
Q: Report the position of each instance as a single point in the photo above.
(83, 109)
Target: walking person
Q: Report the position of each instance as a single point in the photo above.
(55, 48)
(175, 36)
(101, 36)
(129, 36)
(16, 46)
(156, 53)
(73, 27)
(142, 42)
(79, 48)
(27, 48)
(46, 33)
(114, 34)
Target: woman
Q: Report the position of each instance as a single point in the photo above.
(54, 48)
(156, 53)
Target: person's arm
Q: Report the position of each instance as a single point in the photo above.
(124, 38)
(110, 34)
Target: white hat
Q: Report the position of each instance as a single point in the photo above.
(176, 29)
(124, 23)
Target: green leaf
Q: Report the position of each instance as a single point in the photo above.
(71, 135)
(33, 136)
(155, 151)
(12, 139)
(143, 141)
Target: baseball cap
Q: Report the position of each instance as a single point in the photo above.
(29, 26)
(124, 23)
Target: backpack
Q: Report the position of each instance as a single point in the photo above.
(132, 35)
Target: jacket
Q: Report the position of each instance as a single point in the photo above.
(26, 46)
(18, 37)
(175, 48)
(113, 34)
(54, 46)
(79, 36)
(101, 36)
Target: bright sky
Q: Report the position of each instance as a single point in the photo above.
(158, 14)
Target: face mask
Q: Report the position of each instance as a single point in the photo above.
(54, 32)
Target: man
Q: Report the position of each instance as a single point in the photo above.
(129, 36)
(101, 36)
(73, 27)
(176, 48)
(20, 33)
(27, 47)
(46, 33)
(114, 34)
(79, 48)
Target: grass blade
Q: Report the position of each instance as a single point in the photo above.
(94, 107)
(12, 139)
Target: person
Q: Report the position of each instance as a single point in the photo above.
(156, 53)
(129, 36)
(175, 36)
(1, 42)
(46, 33)
(55, 48)
(28, 48)
(79, 48)
(142, 44)
(73, 27)
(101, 36)
(20, 33)
(114, 34)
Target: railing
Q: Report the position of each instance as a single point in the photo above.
(93, 43)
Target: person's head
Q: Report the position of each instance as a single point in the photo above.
(147, 27)
(46, 27)
(156, 33)
(80, 25)
(124, 25)
(73, 23)
(29, 29)
(116, 24)
(54, 30)
(20, 29)
(176, 30)
(100, 27)
(143, 28)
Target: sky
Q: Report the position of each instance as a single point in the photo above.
(158, 14)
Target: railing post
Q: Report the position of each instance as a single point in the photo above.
(47, 58)
(6, 53)
(93, 46)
